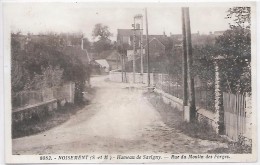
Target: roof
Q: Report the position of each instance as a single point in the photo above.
(155, 39)
(125, 32)
(161, 38)
(102, 62)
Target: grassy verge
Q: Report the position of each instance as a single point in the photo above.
(174, 119)
(233, 148)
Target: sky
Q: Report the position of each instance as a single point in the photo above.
(82, 17)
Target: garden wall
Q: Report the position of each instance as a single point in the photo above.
(39, 103)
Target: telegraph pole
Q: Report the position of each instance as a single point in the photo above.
(134, 54)
(184, 61)
(122, 63)
(141, 31)
(189, 64)
(147, 43)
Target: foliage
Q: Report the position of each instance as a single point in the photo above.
(122, 48)
(241, 17)
(234, 47)
(51, 76)
(102, 45)
(235, 43)
(19, 74)
(36, 63)
(101, 32)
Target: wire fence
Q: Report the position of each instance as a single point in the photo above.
(169, 83)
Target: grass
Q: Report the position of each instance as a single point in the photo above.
(174, 118)
(201, 130)
(234, 148)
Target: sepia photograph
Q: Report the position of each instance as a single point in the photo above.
(130, 82)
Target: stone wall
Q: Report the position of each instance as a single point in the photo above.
(49, 102)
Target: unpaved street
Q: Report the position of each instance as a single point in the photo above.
(118, 120)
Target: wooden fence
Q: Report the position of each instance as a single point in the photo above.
(234, 115)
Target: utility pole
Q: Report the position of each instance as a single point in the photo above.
(189, 64)
(184, 61)
(134, 52)
(141, 45)
(122, 63)
(147, 43)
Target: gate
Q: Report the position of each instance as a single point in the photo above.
(234, 115)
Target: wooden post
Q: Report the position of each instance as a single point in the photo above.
(122, 63)
(134, 53)
(184, 62)
(189, 68)
(141, 31)
(147, 43)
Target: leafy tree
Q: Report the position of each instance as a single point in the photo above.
(40, 64)
(101, 45)
(241, 17)
(235, 46)
(101, 32)
(122, 48)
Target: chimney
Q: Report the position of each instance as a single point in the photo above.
(82, 41)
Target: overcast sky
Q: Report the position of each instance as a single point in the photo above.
(75, 17)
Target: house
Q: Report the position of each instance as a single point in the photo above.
(112, 57)
(103, 64)
(114, 60)
(130, 54)
(156, 48)
(218, 33)
(125, 36)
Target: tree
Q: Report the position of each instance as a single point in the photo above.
(40, 64)
(235, 46)
(86, 43)
(241, 17)
(101, 32)
(101, 45)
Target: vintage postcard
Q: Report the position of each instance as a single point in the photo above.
(130, 82)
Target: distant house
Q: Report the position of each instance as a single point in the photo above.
(112, 57)
(103, 64)
(218, 33)
(125, 36)
(156, 48)
(130, 54)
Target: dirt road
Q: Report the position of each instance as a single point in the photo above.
(119, 120)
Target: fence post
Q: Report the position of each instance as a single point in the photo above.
(219, 110)
(248, 116)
